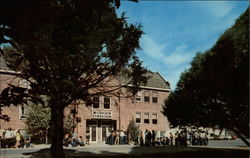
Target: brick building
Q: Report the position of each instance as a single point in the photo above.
(107, 112)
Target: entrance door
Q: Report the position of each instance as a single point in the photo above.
(92, 133)
(106, 130)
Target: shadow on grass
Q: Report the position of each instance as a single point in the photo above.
(151, 152)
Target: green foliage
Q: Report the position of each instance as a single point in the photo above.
(69, 124)
(37, 121)
(214, 91)
(133, 130)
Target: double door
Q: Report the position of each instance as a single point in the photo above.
(99, 134)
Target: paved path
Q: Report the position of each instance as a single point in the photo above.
(226, 144)
(106, 149)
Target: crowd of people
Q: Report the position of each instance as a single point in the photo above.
(73, 140)
(149, 138)
(116, 137)
(198, 138)
(182, 138)
(11, 138)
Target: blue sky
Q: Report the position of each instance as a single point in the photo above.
(176, 30)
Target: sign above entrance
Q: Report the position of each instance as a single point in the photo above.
(101, 114)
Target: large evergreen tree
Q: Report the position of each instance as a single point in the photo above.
(215, 90)
(68, 50)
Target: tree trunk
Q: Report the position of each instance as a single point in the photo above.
(57, 133)
(237, 132)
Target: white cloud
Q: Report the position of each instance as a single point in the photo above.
(179, 56)
(170, 64)
(151, 48)
(218, 9)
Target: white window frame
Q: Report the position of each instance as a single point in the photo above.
(140, 117)
(146, 92)
(155, 97)
(98, 102)
(146, 113)
(104, 102)
(154, 119)
(138, 96)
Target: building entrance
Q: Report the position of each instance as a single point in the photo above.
(99, 130)
(106, 130)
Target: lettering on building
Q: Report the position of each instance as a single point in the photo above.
(101, 114)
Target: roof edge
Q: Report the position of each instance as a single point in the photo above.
(4, 71)
(146, 87)
(164, 80)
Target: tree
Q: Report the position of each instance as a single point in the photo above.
(69, 124)
(214, 91)
(68, 50)
(37, 121)
(133, 131)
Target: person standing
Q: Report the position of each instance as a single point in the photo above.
(141, 139)
(122, 137)
(153, 137)
(149, 138)
(176, 138)
(171, 138)
(146, 137)
(8, 135)
(112, 138)
(117, 137)
(18, 139)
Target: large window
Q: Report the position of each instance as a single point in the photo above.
(106, 103)
(146, 96)
(138, 117)
(154, 97)
(146, 118)
(95, 102)
(138, 96)
(154, 118)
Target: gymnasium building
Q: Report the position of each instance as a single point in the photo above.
(107, 112)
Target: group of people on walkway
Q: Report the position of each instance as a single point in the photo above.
(73, 140)
(11, 138)
(148, 138)
(116, 137)
(199, 138)
(180, 138)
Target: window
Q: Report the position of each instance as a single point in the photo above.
(138, 118)
(146, 96)
(138, 96)
(22, 112)
(106, 103)
(146, 118)
(95, 102)
(154, 97)
(154, 118)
